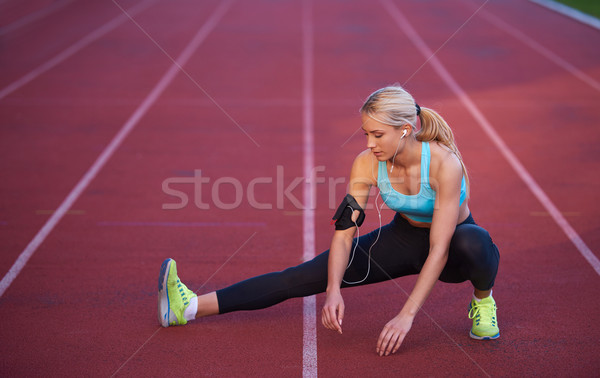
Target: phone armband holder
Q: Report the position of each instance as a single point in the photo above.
(343, 215)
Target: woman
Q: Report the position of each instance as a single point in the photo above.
(421, 175)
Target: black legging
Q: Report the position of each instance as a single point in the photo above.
(400, 251)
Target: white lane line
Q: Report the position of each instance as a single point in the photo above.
(569, 12)
(32, 17)
(190, 77)
(447, 41)
(74, 48)
(487, 127)
(523, 38)
(164, 82)
(309, 350)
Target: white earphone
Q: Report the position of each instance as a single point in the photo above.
(403, 135)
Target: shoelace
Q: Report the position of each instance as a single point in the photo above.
(183, 296)
(182, 293)
(483, 312)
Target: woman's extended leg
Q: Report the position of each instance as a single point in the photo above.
(377, 257)
(269, 289)
(207, 304)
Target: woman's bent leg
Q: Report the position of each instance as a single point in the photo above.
(472, 256)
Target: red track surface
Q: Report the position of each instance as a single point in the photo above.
(84, 304)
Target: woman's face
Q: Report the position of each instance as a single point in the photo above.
(383, 140)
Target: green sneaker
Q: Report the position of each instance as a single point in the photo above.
(485, 325)
(173, 296)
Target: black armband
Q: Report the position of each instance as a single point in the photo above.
(343, 215)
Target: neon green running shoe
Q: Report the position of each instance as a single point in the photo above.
(173, 296)
(485, 325)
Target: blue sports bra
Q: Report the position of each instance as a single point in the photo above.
(418, 207)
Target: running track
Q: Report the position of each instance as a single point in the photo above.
(99, 109)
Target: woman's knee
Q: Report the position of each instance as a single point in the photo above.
(473, 243)
(475, 254)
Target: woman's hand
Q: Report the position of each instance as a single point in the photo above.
(393, 334)
(333, 312)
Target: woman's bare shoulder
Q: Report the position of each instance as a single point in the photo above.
(365, 156)
(365, 167)
(443, 161)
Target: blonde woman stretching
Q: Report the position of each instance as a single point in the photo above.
(420, 175)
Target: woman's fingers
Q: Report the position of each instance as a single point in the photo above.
(332, 317)
(393, 334)
(390, 339)
(331, 321)
(340, 316)
(328, 318)
(399, 342)
(385, 337)
(389, 342)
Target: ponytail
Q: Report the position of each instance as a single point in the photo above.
(435, 128)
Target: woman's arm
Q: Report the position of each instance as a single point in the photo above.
(445, 217)
(333, 309)
(361, 181)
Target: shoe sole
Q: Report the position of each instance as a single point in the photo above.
(164, 306)
(474, 336)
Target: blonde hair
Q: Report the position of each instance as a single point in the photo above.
(395, 107)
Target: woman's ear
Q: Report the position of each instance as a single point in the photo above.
(406, 130)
